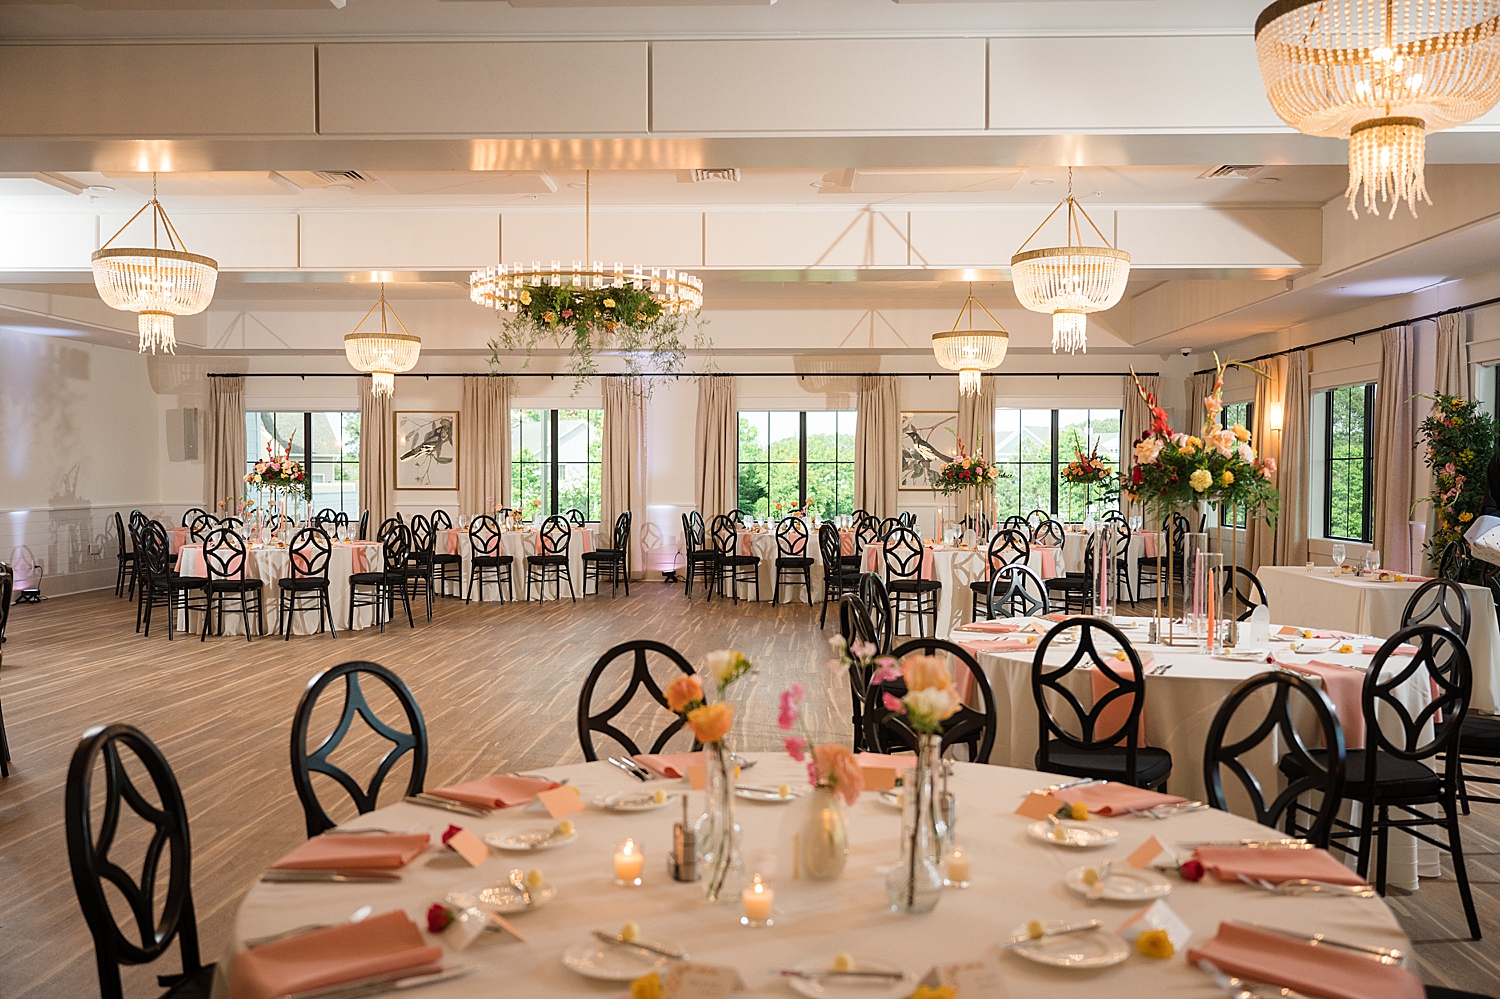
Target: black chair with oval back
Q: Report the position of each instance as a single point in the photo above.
(227, 563)
(486, 554)
(1016, 591)
(551, 560)
(1049, 534)
(7, 590)
(839, 577)
(904, 555)
(576, 518)
(793, 561)
(126, 559)
(192, 514)
(1074, 745)
(442, 558)
(1036, 519)
(1174, 531)
(200, 528)
(307, 761)
(702, 559)
(1121, 534)
(877, 601)
(364, 526)
(866, 533)
(395, 546)
(420, 567)
(1453, 563)
(325, 518)
(1322, 775)
(1243, 592)
(888, 525)
(156, 922)
(908, 519)
(160, 586)
(137, 521)
(641, 654)
(887, 730)
(732, 567)
(1016, 522)
(855, 626)
(1008, 546)
(308, 557)
(1074, 587)
(613, 561)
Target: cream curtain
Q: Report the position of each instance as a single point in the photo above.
(224, 444)
(1293, 473)
(483, 445)
(717, 445)
(377, 455)
(623, 463)
(1270, 397)
(1452, 355)
(1393, 450)
(1133, 426)
(877, 446)
(1197, 388)
(976, 419)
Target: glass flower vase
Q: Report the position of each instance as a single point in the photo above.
(824, 840)
(719, 832)
(915, 881)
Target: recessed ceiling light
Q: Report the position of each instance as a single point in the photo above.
(823, 184)
(1269, 180)
(1043, 182)
(100, 189)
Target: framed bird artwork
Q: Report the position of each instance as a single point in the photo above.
(928, 440)
(426, 450)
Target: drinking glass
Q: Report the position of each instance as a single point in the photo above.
(1372, 560)
(1337, 554)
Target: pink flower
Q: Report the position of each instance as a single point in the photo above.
(790, 700)
(796, 747)
(862, 649)
(836, 765)
(893, 703)
(886, 670)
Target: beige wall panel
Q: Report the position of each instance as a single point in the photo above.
(154, 91)
(47, 242)
(827, 85)
(390, 240)
(244, 240)
(974, 238)
(805, 239)
(1209, 237)
(659, 238)
(482, 88)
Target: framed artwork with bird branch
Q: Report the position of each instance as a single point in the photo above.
(426, 450)
(929, 438)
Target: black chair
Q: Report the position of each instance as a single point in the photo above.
(839, 577)
(702, 560)
(137, 521)
(1075, 586)
(364, 526)
(327, 516)
(1036, 519)
(226, 560)
(155, 922)
(7, 590)
(307, 762)
(640, 676)
(160, 586)
(126, 557)
(192, 514)
(442, 559)
(1016, 591)
(576, 518)
(728, 561)
(907, 519)
(395, 546)
(866, 533)
(877, 601)
(1174, 531)
(888, 525)
(903, 556)
(855, 626)
(486, 555)
(1117, 755)
(420, 567)
(1391, 773)
(1115, 520)
(887, 730)
(202, 525)
(792, 558)
(551, 560)
(1242, 589)
(1048, 534)
(1016, 522)
(736, 516)
(1008, 546)
(1442, 602)
(1322, 775)
(309, 554)
(613, 561)
(1454, 562)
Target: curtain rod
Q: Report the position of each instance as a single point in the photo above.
(710, 374)
(1352, 337)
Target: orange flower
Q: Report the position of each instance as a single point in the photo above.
(711, 722)
(684, 691)
(925, 673)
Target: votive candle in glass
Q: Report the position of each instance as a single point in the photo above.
(628, 863)
(956, 866)
(757, 897)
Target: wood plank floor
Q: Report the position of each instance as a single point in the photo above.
(498, 686)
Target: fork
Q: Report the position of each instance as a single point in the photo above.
(1308, 886)
(1236, 988)
(1166, 811)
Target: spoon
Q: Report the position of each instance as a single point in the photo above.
(518, 881)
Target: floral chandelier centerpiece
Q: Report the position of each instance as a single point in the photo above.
(155, 282)
(287, 480)
(1382, 74)
(1070, 281)
(970, 351)
(383, 353)
(641, 312)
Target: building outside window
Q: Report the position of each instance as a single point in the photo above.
(797, 459)
(327, 445)
(1348, 464)
(555, 461)
(1034, 445)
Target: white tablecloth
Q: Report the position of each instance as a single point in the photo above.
(1015, 879)
(272, 564)
(1348, 603)
(518, 545)
(956, 568)
(1075, 543)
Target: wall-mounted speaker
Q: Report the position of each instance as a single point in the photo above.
(190, 434)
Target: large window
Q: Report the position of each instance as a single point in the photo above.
(1241, 413)
(1348, 464)
(554, 460)
(327, 445)
(1034, 445)
(797, 459)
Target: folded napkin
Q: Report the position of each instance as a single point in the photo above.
(1117, 711)
(1345, 688)
(672, 765)
(1326, 972)
(885, 761)
(1227, 863)
(370, 851)
(1000, 644)
(499, 791)
(1056, 617)
(387, 944)
(992, 627)
(1401, 650)
(1115, 799)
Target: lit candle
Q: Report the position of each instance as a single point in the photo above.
(957, 865)
(628, 863)
(757, 897)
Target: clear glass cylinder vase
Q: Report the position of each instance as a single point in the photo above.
(915, 881)
(719, 832)
(824, 841)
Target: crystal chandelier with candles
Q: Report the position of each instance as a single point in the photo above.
(383, 353)
(156, 283)
(1070, 281)
(970, 351)
(1382, 74)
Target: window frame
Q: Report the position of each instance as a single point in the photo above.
(306, 457)
(1057, 461)
(551, 468)
(1367, 457)
(802, 461)
(1224, 424)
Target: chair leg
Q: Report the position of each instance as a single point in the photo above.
(328, 605)
(1455, 847)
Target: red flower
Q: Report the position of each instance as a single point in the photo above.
(1137, 476)
(1191, 870)
(438, 918)
(566, 313)
(450, 832)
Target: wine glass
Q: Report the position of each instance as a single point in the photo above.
(1372, 561)
(1337, 554)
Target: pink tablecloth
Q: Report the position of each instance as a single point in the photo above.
(177, 539)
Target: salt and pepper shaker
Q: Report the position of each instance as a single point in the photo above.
(682, 862)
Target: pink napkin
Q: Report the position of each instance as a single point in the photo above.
(1115, 799)
(747, 542)
(999, 645)
(1057, 617)
(846, 542)
(499, 791)
(1401, 650)
(450, 543)
(1047, 557)
(1148, 544)
(993, 627)
(885, 761)
(1317, 971)
(1118, 710)
(366, 851)
(1330, 633)
(1227, 863)
(669, 764)
(585, 538)
(1345, 688)
(179, 538)
(381, 945)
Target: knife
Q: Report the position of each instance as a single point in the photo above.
(632, 771)
(1088, 927)
(892, 976)
(1283, 844)
(643, 945)
(434, 801)
(341, 877)
(377, 986)
(1385, 955)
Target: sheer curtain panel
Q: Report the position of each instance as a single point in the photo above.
(484, 444)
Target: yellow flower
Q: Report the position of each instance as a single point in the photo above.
(525, 297)
(1201, 480)
(1079, 812)
(550, 317)
(1151, 943)
(1240, 431)
(1227, 478)
(929, 992)
(1466, 516)
(649, 986)
(609, 303)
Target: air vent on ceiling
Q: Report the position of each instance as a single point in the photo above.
(343, 177)
(1241, 170)
(725, 176)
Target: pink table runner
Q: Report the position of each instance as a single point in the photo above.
(178, 539)
(875, 551)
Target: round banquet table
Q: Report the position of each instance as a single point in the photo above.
(956, 567)
(1015, 879)
(1075, 543)
(270, 564)
(518, 545)
(761, 542)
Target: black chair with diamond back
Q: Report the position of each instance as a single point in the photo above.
(1453, 563)
(1322, 775)
(576, 518)
(732, 567)
(442, 558)
(887, 730)
(192, 514)
(1174, 531)
(325, 518)
(308, 557)
(866, 533)
(1008, 546)
(201, 527)
(613, 562)
(227, 562)
(1075, 586)
(856, 627)
(91, 825)
(639, 655)
(839, 577)
(702, 559)
(1016, 522)
(136, 523)
(395, 546)
(888, 525)
(486, 554)
(364, 526)
(1036, 519)
(551, 560)
(1016, 591)
(420, 567)
(1243, 592)
(160, 586)
(793, 561)
(308, 760)
(904, 555)
(1115, 520)
(1074, 744)
(907, 519)
(126, 559)
(877, 601)
(1049, 534)
(7, 590)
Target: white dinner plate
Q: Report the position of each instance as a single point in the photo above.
(891, 796)
(1244, 656)
(531, 840)
(1122, 886)
(607, 962)
(1085, 951)
(630, 801)
(502, 898)
(765, 794)
(1081, 835)
(852, 988)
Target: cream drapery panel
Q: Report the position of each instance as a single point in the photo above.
(1293, 473)
(1133, 425)
(1197, 387)
(1452, 376)
(377, 455)
(622, 459)
(1270, 397)
(224, 445)
(1393, 450)
(484, 445)
(717, 445)
(976, 419)
(877, 446)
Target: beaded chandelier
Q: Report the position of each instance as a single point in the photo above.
(970, 351)
(382, 352)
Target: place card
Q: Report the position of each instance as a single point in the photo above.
(697, 775)
(1038, 805)
(561, 801)
(1157, 916)
(466, 845)
(1145, 853)
(700, 981)
(878, 778)
(466, 927)
(968, 980)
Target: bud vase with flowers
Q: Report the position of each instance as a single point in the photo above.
(823, 845)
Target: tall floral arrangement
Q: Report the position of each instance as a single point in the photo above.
(1092, 470)
(966, 472)
(279, 470)
(1460, 441)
